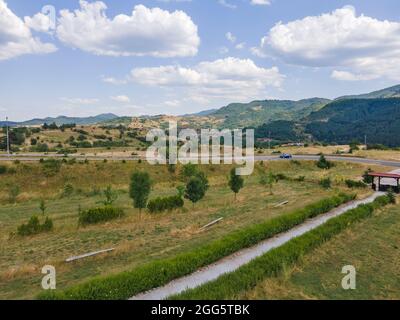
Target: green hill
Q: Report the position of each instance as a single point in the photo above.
(343, 121)
(64, 120)
(238, 115)
(346, 120)
(392, 92)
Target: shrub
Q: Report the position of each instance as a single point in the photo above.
(281, 176)
(391, 196)
(164, 204)
(68, 190)
(301, 178)
(3, 169)
(367, 178)
(51, 167)
(34, 227)
(326, 183)
(157, 273)
(188, 171)
(13, 193)
(355, 184)
(322, 163)
(97, 215)
(41, 147)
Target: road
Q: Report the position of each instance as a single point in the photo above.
(242, 257)
(30, 157)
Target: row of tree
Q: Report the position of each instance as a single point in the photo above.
(195, 189)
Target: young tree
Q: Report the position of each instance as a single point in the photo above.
(195, 190)
(322, 163)
(268, 179)
(188, 171)
(236, 182)
(202, 176)
(42, 206)
(180, 191)
(139, 189)
(110, 196)
(13, 193)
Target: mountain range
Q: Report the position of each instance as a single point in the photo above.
(64, 120)
(375, 115)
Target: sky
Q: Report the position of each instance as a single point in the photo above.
(83, 58)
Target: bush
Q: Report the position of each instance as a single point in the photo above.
(34, 226)
(164, 204)
(274, 261)
(158, 273)
(51, 167)
(97, 215)
(13, 193)
(68, 190)
(322, 163)
(367, 178)
(326, 183)
(391, 196)
(41, 147)
(355, 184)
(3, 169)
(188, 171)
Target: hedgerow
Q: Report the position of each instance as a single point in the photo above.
(35, 227)
(273, 262)
(164, 204)
(158, 273)
(101, 214)
(355, 184)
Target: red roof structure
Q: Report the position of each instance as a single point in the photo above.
(385, 175)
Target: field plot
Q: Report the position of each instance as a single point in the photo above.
(137, 238)
(371, 246)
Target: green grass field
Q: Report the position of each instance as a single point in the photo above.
(371, 246)
(137, 239)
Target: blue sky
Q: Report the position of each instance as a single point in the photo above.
(129, 58)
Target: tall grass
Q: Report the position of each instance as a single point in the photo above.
(158, 273)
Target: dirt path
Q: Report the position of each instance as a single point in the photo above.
(242, 257)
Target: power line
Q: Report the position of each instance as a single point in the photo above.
(8, 137)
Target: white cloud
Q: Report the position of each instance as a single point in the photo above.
(348, 76)
(122, 99)
(230, 78)
(366, 48)
(260, 2)
(172, 103)
(226, 4)
(85, 101)
(240, 46)
(223, 50)
(16, 38)
(258, 52)
(230, 37)
(114, 80)
(40, 22)
(146, 32)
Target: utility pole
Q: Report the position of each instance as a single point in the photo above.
(365, 142)
(269, 140)
(8, 137)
